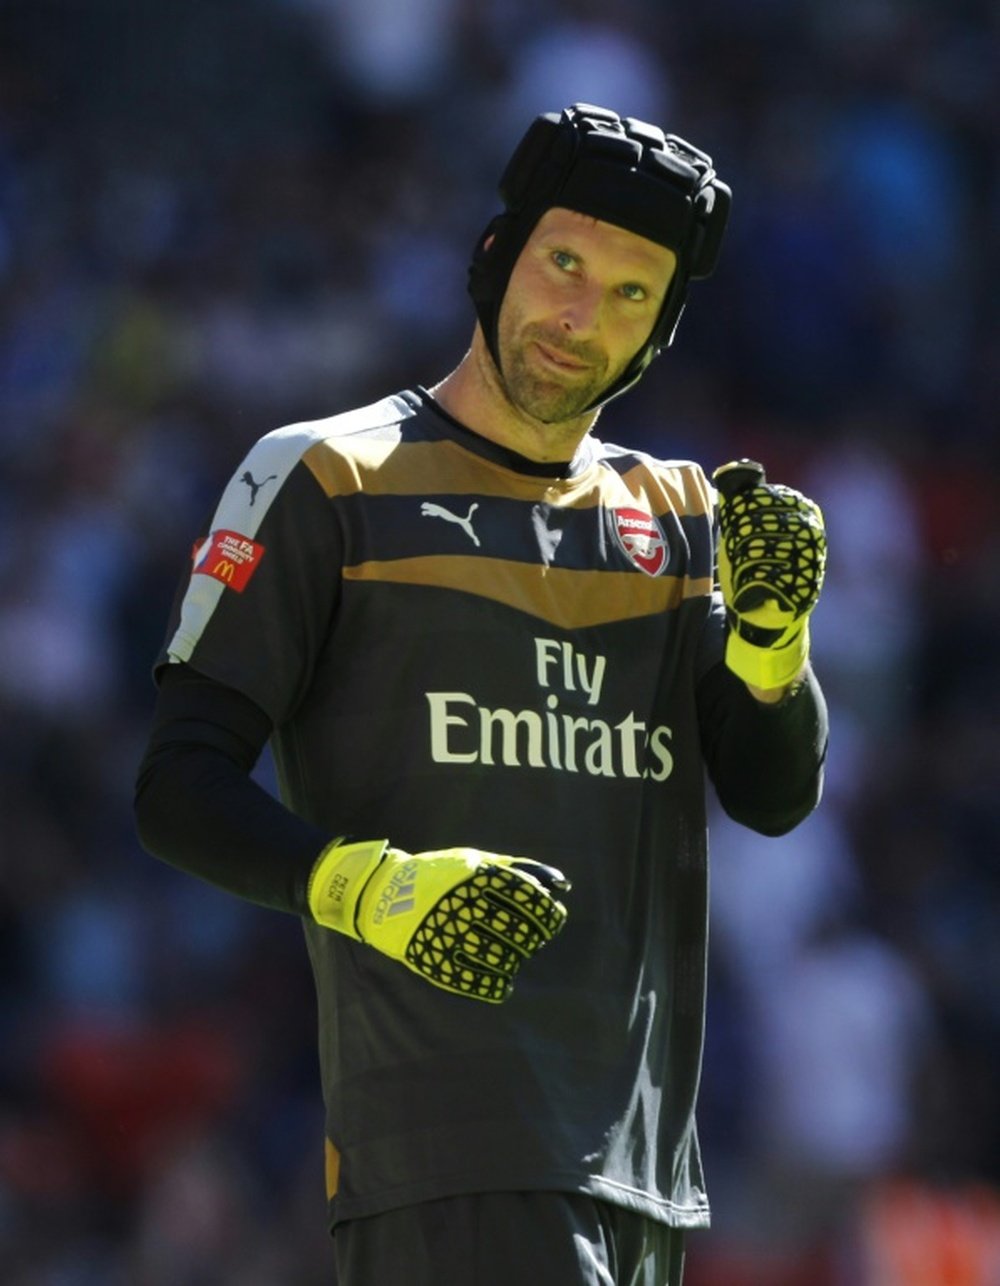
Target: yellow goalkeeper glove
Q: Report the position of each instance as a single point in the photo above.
(464, 920)
(772, 556)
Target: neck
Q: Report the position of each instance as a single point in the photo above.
(475, 396)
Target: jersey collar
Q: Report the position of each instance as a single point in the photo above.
(449, 427)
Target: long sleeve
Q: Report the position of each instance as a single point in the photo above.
(765, 761)
(197, 807)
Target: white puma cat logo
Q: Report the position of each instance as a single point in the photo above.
(430, 510)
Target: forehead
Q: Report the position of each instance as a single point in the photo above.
(604, 243)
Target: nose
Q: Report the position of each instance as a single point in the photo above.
(581, 314)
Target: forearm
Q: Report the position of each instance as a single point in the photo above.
(765, 760)
(198, 808)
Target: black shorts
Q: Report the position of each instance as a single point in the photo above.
(501, 1238)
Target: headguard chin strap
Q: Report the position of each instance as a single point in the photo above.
(622, 171)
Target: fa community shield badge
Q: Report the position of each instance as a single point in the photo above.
(641, 539)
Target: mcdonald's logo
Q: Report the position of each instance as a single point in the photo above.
(230, 558)
(224, 570)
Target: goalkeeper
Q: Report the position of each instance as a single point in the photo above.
(494, 658)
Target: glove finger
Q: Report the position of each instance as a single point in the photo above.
(756, 588)
(789, 532)
(770, 504)
(788, 570)
(454, 970)
(478, 936)
(736, 476)
(550, 877)
(522, 907)
(496, 919)
(476, 944)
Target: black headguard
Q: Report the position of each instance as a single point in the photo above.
(619, 170)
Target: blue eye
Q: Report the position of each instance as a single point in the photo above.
(563, 259)
(634, 291)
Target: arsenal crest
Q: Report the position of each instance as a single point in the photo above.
(641, 539)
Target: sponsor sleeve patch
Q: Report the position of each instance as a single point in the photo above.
(229, 558)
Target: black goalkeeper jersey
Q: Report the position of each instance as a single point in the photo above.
(457, 647)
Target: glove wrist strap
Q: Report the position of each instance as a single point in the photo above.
(767, 668)
(339, 879)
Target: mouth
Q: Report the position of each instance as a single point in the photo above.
(561, 361)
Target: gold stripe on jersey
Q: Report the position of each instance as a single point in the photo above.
(347, 467)
(561, 596)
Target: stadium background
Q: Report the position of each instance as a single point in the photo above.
(217, 216)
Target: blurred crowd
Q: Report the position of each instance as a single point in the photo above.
(218, 216)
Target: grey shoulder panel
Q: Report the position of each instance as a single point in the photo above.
(250, 493)
(259, 478)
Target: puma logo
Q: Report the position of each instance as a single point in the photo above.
(254, 486)
(430, 510)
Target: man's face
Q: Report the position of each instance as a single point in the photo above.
(581, 301)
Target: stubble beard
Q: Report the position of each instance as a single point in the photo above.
(550, 399)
